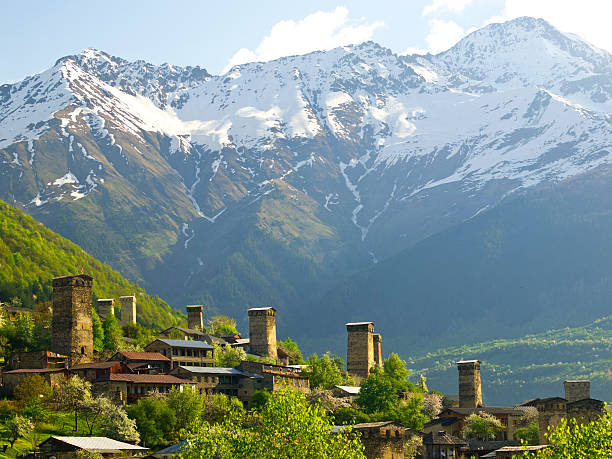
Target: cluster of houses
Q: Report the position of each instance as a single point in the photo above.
(182, 357)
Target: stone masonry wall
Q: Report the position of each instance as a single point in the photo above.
(72, 332)
(360, 349)
(195, 320)
(470, 390)
(262, 332)
(128, 309)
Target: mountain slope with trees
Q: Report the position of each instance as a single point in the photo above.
(31, 255)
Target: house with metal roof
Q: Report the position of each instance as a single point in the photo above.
(220, 380)
(187, 353)
(129, 387)
(67, 447)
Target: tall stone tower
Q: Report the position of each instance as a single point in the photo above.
(106, 306)
(377, 340)
(470, 390)
(195, 320)
(577, 390)
(128, 309)
(262, 332)
(360, 349)
(71, 327)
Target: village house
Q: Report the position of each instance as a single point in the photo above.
(439, 445)
(128, 388)
(576, 404)
(183, 352)
(218, 380)
(143, 362)
(68, 447)
(37, 359)
(92, 371)
(53, 376)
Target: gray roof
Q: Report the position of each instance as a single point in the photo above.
(217, 371)
(353, 390)
(186, 343)
(360, 323)
(97, 443)
(172, 448)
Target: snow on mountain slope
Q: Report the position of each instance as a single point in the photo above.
(397, 147)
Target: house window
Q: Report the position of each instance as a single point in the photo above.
(82, 350)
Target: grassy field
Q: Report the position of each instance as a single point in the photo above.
(58, 423)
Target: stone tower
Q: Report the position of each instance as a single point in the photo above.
(360, 349)
(577, 390)
(195, 320)
(128, 309)
(262, 332)
(377, 340)
(106, 306)
(470, 390)
(71, 327)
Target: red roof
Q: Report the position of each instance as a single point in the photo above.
(143, 356)
(94, 365)
(34, 370)
(144, 378)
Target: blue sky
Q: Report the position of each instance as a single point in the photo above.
(213, 34)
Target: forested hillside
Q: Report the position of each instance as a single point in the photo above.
(531, 366)
(31, 255)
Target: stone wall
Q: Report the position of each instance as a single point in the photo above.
(106, 306)
(470, 390)
(195, 320)
(71, 327)
(262, 332)
(360, 348)
(550, 413)
(128, 309)
(377, 342)
(577, 390)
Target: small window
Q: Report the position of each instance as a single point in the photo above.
(82, 350)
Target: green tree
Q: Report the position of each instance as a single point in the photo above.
(18, 427)
(571, 439)
(286, 427)
(529, 435)
(221, 325)
(482, 426)
(410, 413)
(187, 404)
(98, 332)
(154, 419)
(118, 426)
(33, 387)
(219, 407)
(260, 398)
(112, 333)
(292, 349)
(73, 395)
(227, 356)
(378, 392)
(324, 372)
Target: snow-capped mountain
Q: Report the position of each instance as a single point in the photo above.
(354, 150)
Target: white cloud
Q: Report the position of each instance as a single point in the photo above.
(317, 31)
(443, 34)
(454, 6)
(590, 19)
(413, 50)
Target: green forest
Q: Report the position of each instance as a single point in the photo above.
(31, 255)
